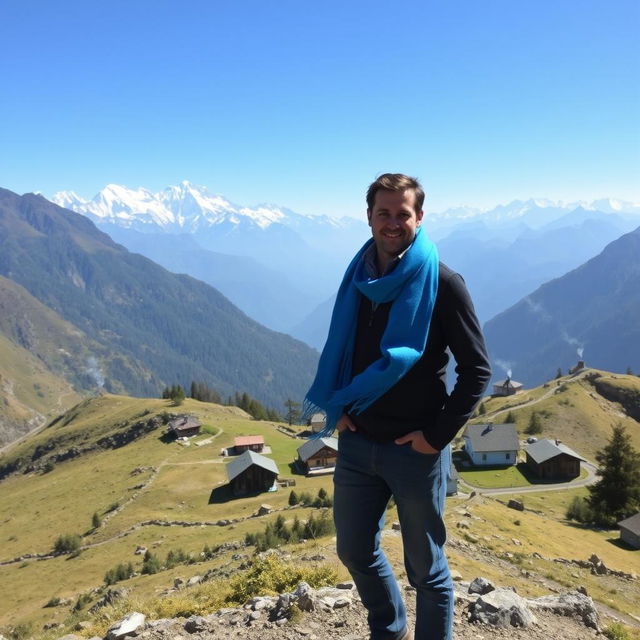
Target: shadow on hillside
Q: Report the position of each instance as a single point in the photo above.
(297, 469)
(222, 494)
(621, 544)
(167, 438)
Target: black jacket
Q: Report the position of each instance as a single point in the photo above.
(419, 400)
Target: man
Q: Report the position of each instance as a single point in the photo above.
(381, 382)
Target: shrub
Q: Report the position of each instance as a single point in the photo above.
(616, 631)
(53, 602)
(271, 575)
(96, 520)
(579, 510)
(83, 600)
(68, 543)
(318, 527)
(151, 563)
(121, 572)
(293, 498)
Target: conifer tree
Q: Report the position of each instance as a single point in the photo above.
(292, 414)
(535, 425)
(617, 494)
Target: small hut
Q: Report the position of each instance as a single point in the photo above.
(317, 422)
(630, 530)
(184, 426)
(248, 443)
(318, 455)
(507, 387)
(553, 459)
(252, 473)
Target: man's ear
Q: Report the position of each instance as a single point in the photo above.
(419, 216)
(369, 216)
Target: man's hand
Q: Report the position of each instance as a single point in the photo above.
(418, 442)
(345, 423)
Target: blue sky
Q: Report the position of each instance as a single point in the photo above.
(304, 103)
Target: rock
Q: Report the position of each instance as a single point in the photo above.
(569, 604)
(345, 585)
(304, 597)
(195, 624)
(108, 598)
(342, 602)
(140, 551)
(264, 510)
(395, 526)
(194, 580)
(516, 542)
(71, 636)
(501, 608)
(481, 585)
(515, 504)
(456, 576)
(131, 623)
(178, 582)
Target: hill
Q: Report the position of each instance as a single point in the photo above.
(153, 327)
(580, 410)
(108, 457)
(593, 309)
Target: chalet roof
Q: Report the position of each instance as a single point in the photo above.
(313, 445)
(631, 524)
(244, 441)
(184, 423)
(248, 458)
(493, 437)
(546, 449)
(514, 384)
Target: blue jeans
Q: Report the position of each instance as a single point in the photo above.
(367, 474)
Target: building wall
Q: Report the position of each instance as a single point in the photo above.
(489, 458)
(560, 466)
(630, 538)
(255, 479)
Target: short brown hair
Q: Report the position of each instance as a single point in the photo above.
(395, 182)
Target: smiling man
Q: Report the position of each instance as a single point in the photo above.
(381, 382)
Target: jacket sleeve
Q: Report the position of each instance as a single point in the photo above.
(466, 343)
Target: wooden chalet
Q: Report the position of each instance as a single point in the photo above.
(248, 443)
(492, 444)
(252, 473)
(630, 530)
(184, 426)
(553, 459)
(318, 455)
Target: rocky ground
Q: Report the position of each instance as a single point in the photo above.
(482, 612)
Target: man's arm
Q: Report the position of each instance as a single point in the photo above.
(466, 342)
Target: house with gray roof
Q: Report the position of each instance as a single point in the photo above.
(252, 473)
(553, 459)
(318, 455)
(491, 444)
(630, 530)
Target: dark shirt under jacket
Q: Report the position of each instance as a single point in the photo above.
(419, 400)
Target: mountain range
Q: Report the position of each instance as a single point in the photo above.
(591, 312)
(140, 326)
(503, 253)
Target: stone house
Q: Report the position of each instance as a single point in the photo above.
(492, 444)
(252, 473)
(317, 422)
(507, 387)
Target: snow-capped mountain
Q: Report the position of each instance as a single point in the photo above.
(184, 208)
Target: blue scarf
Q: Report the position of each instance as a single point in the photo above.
(412, 287)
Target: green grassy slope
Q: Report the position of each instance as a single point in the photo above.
(151, 479)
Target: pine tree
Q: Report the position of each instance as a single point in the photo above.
(293, 498)
(559, 373)
(617, 494)
(535, 425)
(96, 520)
(481, 409)
(292, 414)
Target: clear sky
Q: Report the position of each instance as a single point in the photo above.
(303, 103)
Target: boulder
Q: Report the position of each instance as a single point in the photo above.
(481, 585)
(131, 623)
(501, 608)
(569, 604)
(515, 504)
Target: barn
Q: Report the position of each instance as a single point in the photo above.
(252, 473)
(553, 459)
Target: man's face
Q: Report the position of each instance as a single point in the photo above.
(394, 222)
